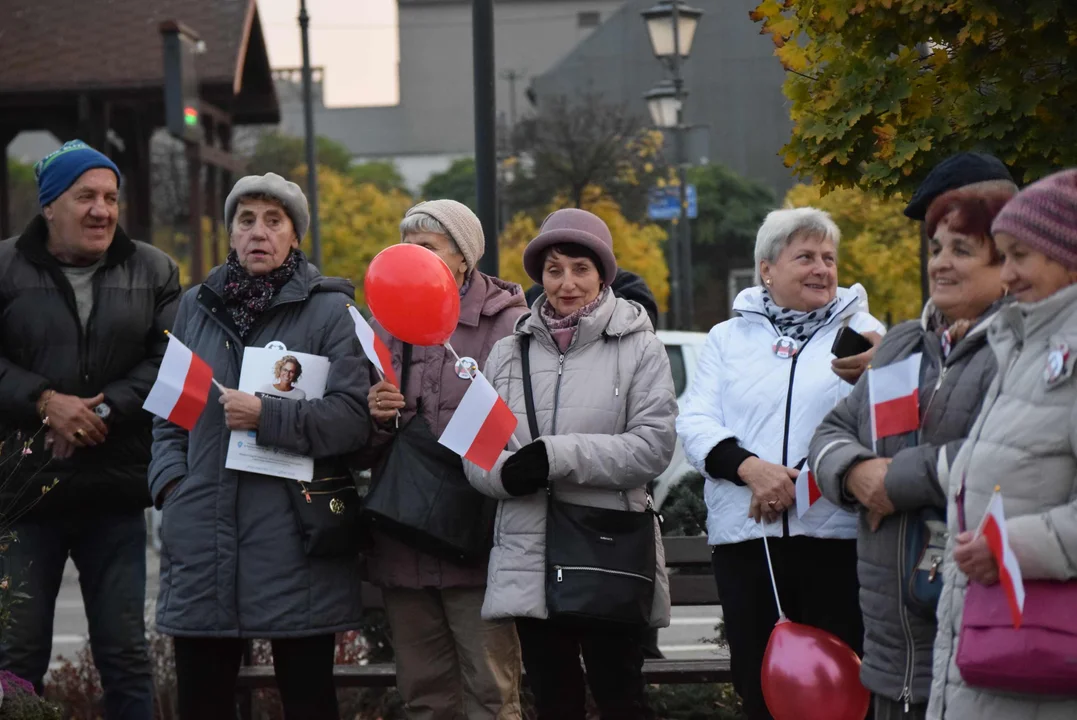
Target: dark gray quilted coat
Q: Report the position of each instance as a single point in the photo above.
(898, 643)
(232, 562)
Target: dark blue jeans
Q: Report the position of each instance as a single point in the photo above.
(110, 554)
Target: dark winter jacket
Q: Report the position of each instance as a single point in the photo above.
(898, 643)
(232, 559)
(43, 346)
(488, 312)
(627, 285)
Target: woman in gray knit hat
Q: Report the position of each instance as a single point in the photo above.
(236, 561)
(450, 662)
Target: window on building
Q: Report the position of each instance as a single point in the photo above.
(588, 19)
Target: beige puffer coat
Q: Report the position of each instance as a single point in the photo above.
(1025, 441)
(606, 410)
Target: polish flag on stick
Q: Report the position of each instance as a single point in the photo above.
(181, 390)
(481, 425)
(376, 350)
(1009, 572)
(894, 392)
(808, 492)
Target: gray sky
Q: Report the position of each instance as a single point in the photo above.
(355, 40)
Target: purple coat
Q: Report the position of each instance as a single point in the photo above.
(488, 313)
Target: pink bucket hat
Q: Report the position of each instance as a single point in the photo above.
(572, 226)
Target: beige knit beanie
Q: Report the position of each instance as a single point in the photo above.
(463, 226)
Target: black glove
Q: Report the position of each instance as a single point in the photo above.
(527, 471)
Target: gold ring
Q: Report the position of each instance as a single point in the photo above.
(79, 433)
(772, 503)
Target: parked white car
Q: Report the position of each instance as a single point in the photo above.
(683, 349)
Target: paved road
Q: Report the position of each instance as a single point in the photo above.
(684, 639)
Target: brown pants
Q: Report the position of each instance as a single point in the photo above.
(450, 663)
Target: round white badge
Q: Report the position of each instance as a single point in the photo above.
(277, 345)
(785, 347)
(466, 368)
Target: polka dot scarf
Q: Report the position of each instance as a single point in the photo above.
(797, 324)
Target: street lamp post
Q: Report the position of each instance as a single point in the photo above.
(312, 162)
(671, 27)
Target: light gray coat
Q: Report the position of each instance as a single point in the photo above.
(898, 643)
(1025, 442)
(606, 410)
(232, 560)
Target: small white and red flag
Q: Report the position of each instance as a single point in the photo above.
(481, 425)
(1009, 572)
(808, 492)
(894, 392)
(182, 387)
(376, 350)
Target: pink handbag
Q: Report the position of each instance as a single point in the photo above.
(1038, 658)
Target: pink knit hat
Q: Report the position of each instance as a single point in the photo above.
(1044, 216)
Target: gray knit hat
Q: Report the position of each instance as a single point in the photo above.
(463, 226)
(288, 194)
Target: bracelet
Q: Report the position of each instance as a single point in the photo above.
(43, 403)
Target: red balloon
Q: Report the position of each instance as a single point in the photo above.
(809, 674)
(413, 294)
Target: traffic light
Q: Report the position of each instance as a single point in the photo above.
(182, 117)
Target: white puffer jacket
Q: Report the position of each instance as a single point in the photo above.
(771, 405)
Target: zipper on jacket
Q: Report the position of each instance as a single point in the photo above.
(557, 392)
(788, 417)
(910, 643)
(604, 571)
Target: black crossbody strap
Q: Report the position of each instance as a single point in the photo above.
(529, 395)
(405, 365)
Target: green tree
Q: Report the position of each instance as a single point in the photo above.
(283, 154)
(457, 182)
(883, 90)
(22, 193)
(731, 209)
(382, 174)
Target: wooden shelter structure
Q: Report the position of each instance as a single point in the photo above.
(93, 69)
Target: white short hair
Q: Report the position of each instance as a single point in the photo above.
(422, 223)
(781, 226)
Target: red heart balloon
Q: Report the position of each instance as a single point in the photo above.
(809, 674)
(413, 294)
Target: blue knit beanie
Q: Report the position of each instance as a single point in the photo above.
(59, 170)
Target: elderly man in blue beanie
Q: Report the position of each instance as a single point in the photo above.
(84, 310)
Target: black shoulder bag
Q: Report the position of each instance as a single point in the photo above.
(600, 564)
(420, 495)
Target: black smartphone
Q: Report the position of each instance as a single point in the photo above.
(849, 342)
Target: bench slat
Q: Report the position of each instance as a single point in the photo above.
(693, 590)
(383, 675)
(681, 551)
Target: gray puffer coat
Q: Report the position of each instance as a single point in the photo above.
(897, 642)
(606, 410)
(1025, 442)
(232, 560)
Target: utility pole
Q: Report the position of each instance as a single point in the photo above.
(684, 238)
(312, 161)
(482, 46)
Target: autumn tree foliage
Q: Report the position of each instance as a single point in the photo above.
(882, 90)
(880, 247)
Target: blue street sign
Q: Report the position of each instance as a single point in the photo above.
(663, 203)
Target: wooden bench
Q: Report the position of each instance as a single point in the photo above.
(691, 583)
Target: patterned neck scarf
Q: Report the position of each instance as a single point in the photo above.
(797, 324)
(248, 296)
(553, 322)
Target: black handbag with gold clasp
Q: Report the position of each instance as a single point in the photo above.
(328, 515)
